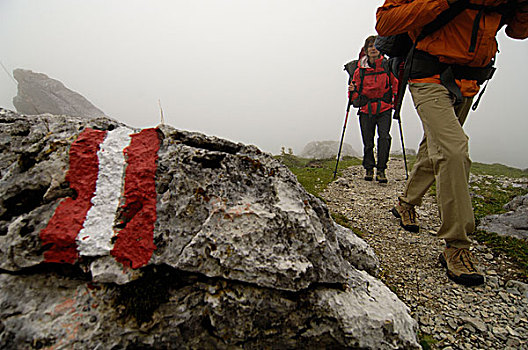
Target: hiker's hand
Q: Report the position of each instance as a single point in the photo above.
(351, 87)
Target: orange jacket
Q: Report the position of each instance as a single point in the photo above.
(451, 42)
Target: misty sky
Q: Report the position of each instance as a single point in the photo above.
(262, 72)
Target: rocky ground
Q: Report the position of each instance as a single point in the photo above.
(450, 316)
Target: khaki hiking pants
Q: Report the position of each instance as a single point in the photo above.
(443, 156)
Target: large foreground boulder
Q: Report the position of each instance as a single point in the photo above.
(116, 238)
(39, 94)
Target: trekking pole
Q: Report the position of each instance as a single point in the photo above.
(403, 78)
(342, 137)
(403, 149)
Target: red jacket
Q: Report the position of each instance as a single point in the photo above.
(375, 86)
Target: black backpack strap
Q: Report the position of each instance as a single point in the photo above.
(362, 72)
(447, 78)
(505, 9)
(426, 65)
(361, 100)
(387, 97)
(474, 30)
(442, 19)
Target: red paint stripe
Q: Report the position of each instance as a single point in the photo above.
(135, 242)
(68, 219)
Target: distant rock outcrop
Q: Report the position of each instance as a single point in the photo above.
(119, 238)
(513, 223)
(39, 94)
(327, 149)
(408, 152)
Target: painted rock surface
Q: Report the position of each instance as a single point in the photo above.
(164, 238)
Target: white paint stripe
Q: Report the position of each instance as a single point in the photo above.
(94, 239)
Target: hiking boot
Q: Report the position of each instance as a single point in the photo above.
(380, 177)
(369, 175)
(461, 266)
(407, 215)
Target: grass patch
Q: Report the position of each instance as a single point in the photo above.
(489, 197)
(343, 221)
(410, 162)
(497, 170)
(426, 341)
(315, 174)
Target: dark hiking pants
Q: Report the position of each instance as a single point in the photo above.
(368, 126)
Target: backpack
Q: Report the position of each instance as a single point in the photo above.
(350, 68)
(400, 48)
(362, 100)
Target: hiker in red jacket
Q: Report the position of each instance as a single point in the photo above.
(447, 70)
(372, 89)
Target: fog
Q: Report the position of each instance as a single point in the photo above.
(262, 72)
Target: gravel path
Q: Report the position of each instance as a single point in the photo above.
(492, 316)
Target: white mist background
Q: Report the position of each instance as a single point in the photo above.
(262, 72)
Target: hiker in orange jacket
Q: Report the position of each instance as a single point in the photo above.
(376, 85)
(443, 103)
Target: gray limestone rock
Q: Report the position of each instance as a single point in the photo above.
(243, 256)
(513, 223)
(327, 149)
(39, 94)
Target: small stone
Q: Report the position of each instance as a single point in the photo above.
(493, 282)
(521, 330)
(452, 323)
(504, 296)
(424, 320)
(519, 286)
(500, 332)
(478, 324)
(512, 332)
(469, 328)
(513, 343)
